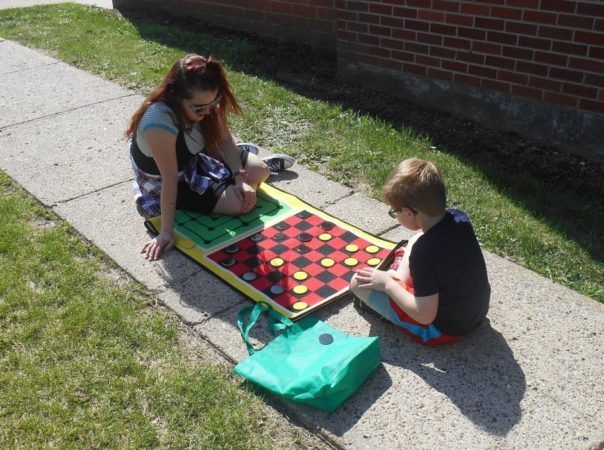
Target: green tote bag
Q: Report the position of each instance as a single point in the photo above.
(309, 362)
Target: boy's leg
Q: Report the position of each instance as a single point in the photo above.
(376, 300)
(381, 304)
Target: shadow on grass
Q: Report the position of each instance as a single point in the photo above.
(559, 189)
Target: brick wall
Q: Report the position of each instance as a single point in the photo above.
(547, 50)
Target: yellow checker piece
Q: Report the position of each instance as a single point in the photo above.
(327, 262)
(351, 261)
(277, 262)
(300, 275)
(300, 289)
(299, 306)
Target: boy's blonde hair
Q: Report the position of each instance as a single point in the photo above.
(418, 184)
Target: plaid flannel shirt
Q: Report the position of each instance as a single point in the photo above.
(201, 171)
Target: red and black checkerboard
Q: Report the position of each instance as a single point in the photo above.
(285, 261)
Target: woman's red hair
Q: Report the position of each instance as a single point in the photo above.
(192, 73)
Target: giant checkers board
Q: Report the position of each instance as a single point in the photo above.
(285, 253)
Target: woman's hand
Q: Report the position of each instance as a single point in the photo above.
(247, 195)
(368, 277)
(156, 246)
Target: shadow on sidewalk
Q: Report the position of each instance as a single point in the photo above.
(479, 374)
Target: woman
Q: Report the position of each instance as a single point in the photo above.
(183, 154)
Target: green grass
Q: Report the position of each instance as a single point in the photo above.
(548, 230)
(86, 363)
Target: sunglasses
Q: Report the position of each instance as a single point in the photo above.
(392, 213)
(202, 109)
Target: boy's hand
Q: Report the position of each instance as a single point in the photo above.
(368, 277)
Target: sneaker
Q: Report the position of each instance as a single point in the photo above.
(251, 148)
(278, 162)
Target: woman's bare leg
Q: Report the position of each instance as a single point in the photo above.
(230, 202)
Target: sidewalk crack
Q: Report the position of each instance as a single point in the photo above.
(117, 183)
(4, 127)
(31, 68)
(333, 202)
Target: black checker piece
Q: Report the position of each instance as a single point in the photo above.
(302, 249)
(327, 225)
(304, 237)
(279, 237)
(256, 237)
(303, 214)
(233, 248)
(249, 276)
(228, 262)
(326, 339)
(276, 290)
(282, 226)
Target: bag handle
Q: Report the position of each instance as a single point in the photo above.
(277, 322)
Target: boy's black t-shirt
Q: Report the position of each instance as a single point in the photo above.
(447, 260)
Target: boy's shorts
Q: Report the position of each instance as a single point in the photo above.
(424, 334)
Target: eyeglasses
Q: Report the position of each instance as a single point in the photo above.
(202, 109)
(392, 213)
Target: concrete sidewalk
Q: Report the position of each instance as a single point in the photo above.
(530, 378)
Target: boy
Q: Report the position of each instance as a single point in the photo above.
(436, 288)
